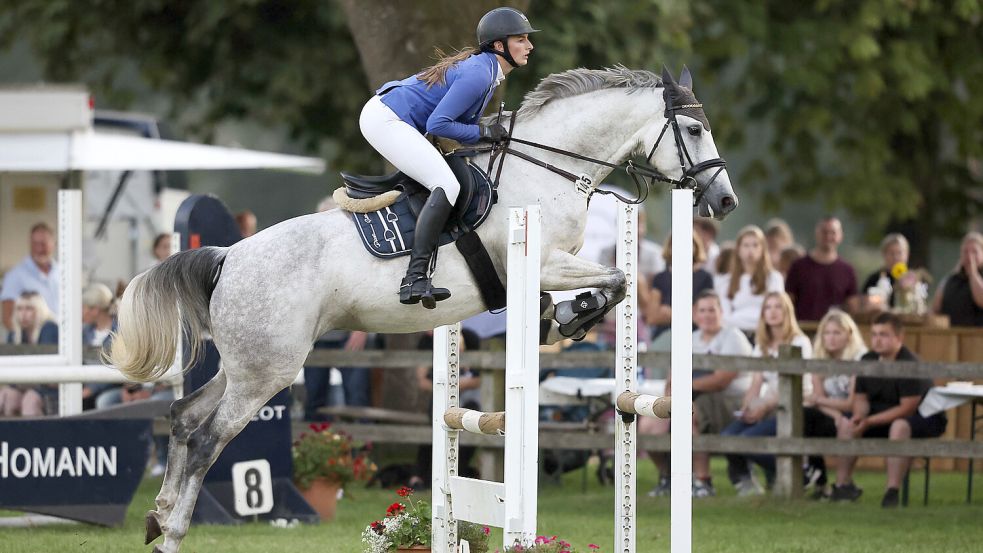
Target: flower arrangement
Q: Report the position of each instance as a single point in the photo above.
(547, 544)
(408, 524)
(333, 456)
(910, 289)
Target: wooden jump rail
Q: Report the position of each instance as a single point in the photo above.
(476, 422)
(642, 404)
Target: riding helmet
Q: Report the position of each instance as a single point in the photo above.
(502, 23)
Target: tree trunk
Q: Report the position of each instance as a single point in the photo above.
(396, 39)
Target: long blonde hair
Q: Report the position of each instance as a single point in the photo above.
(42, 314)
(855, 342)
(790, 326)
(436, 73)
(759, 278)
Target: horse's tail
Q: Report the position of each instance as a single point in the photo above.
(153, 306)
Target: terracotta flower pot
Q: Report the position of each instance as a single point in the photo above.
(322, 496)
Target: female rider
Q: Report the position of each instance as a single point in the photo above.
(446, 100)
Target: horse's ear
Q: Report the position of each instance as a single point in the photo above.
(686, 78)
(667, 76)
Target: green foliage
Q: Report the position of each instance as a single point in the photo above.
(330, 455)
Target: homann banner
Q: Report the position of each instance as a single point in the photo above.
(86, 470)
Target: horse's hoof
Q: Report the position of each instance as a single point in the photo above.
(153, 528)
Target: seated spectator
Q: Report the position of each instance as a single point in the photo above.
(830, 401)
(726, 258)
(894, 250)
(469, 384)
(821, 279)
(655, 303)
(789, 256)
(246, 221)
(98, 324)
(716, 394)
(705, 230)
(33, 323)
(38, 272)
(777, 327)
(885, 408)
(779, 237)
(742, 290)
(960, 296)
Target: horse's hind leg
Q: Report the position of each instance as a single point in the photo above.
(241, 400)
(187, 414)
(563, 271)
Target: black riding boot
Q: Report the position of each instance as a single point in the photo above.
(416, 285)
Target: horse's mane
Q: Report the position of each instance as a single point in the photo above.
(574, 82)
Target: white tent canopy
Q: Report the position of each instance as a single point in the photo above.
(90, 150)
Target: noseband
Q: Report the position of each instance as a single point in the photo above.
(638, 171)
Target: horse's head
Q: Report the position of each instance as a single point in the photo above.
(682, 148)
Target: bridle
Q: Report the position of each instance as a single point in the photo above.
(638, 171)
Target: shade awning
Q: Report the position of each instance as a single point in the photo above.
(90, 151)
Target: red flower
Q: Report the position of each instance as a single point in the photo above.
(395, 509)
(486, 530)
(405, 491)
(378, 527)
(320, 426)
(592, 546)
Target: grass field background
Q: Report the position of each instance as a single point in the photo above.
(721, 524)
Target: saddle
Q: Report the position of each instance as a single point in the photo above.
(385, 208)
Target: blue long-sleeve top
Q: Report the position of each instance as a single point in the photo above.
(450, 109)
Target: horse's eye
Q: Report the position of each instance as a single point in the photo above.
(695, 130)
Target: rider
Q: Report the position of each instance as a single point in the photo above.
(446, 100)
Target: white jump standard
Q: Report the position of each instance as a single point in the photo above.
(510, 505)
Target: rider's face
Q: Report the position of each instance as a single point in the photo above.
(520, 46)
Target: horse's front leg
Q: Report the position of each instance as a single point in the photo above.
(573, 318)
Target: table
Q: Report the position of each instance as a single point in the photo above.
(954, 394)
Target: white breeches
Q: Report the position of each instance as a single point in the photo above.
(407, 149)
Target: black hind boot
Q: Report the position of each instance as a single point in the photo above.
(416, 286)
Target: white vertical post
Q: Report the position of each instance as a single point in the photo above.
(626, 363)
(70, 295)
(681, 358)
(446, 394)
(522, 377)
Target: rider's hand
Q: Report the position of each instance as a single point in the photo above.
(492, 133)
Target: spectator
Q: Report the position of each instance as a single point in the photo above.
(33, 323)
(885, 408)
(246, 220)
(789, 256)
(38, 272)
(98, 324)
(776, 327)
(821, 279)
(706, 230)
(960, 296)
(779, 237)
(725, 260)
(162, 246)
(655, 303)
(717, 394)
(830, 401)
(894, 250)
(469, 383)
(742, 290)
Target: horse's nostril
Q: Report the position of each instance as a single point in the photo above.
(728, 203)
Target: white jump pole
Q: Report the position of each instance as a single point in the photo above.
(681, 359)
(70, 311)
(626, 363)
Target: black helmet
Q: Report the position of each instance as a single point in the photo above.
(501, 23)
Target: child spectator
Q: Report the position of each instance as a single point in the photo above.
(776, 327)
(960, 296)
(742, 290)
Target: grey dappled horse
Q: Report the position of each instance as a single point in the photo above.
(282, 288)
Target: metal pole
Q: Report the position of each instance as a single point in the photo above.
(681, 359)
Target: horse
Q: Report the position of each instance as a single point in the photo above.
(266, 299)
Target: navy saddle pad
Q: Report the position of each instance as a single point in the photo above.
(388, 232)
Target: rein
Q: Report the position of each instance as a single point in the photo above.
(637, 171)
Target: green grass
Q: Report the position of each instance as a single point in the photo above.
(725, 523)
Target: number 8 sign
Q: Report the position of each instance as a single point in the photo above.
(252, 487)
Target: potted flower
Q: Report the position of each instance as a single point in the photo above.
(325, 461)
(406, 529)
(910, 289)
(547, 544)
